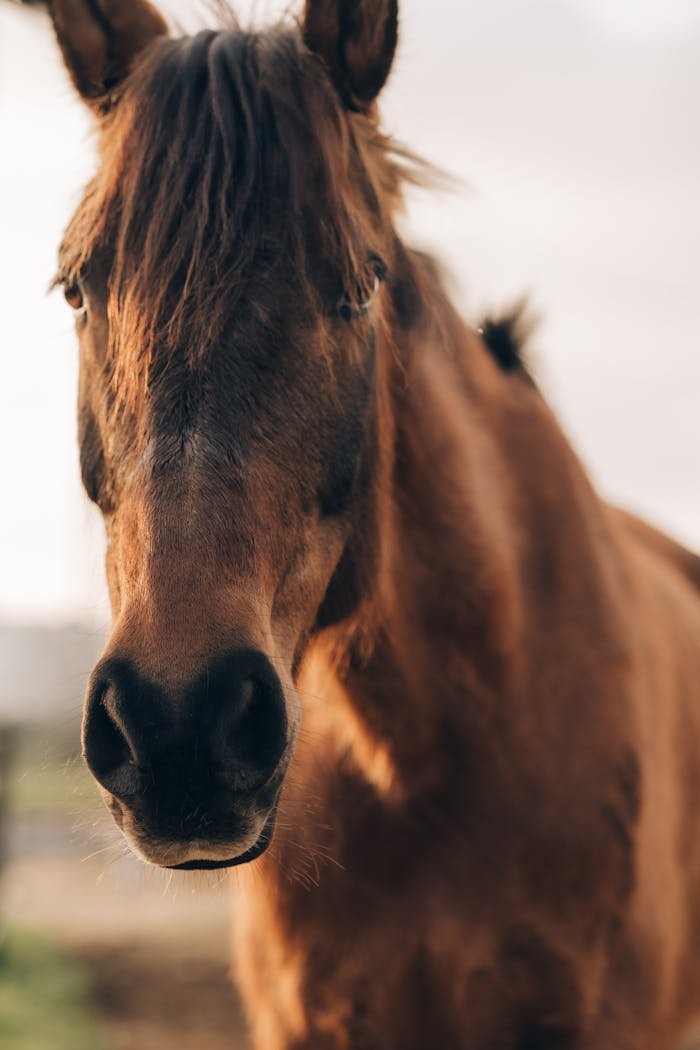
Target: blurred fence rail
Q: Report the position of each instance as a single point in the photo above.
(43, 671)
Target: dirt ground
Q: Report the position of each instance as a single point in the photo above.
(156, 947)
(149, 999)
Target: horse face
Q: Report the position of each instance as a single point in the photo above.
(229, 508)
(225, 403)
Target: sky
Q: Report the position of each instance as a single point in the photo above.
(573, 125)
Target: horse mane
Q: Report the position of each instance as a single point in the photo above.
(507, 337)
(224, 153)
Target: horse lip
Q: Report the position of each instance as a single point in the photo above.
(255, 851)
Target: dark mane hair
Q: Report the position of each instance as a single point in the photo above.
(507, 336)
(227, 150)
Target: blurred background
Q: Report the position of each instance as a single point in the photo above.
(574, 127)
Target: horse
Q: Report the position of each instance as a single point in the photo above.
(377, 643)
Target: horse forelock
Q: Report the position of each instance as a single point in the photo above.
(227, 153)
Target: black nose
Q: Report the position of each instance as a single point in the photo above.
(227, 729)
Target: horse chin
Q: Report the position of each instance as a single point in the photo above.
(252, 853)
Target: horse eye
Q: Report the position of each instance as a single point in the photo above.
(73, 295)
(359, 304)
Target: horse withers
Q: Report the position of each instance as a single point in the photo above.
(373, 631)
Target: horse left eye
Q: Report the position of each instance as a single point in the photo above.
(73, 295)
(358, 304)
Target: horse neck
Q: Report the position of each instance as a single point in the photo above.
(487, 534)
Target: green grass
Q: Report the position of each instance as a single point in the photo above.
(44, 998)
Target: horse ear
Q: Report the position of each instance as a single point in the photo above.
(357, 40)
(100, 39)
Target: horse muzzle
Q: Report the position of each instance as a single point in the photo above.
(191, 775)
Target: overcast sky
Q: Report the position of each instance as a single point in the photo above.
(576, 125)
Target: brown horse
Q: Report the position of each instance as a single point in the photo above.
(368, 611)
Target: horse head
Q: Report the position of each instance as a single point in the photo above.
(229, 267)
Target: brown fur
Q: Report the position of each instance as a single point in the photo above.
(486, 835)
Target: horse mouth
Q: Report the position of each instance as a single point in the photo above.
(252, 853)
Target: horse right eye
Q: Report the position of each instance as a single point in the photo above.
(73, 295)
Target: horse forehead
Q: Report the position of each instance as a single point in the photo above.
(209, 466)
(187, 493)
(178, 458)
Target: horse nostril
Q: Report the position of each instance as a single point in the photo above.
(227, 730)
(246, 697)
(107, 750)
(255, 733)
